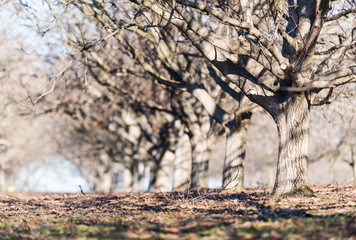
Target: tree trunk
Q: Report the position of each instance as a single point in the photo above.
(163, 173)
(200, 164)
(293, 143)
(353, 162)
(2, 179)
(123, 179)
(198, 122)
(104, 183)
(183, 160)
(233, 172)
(201, 151)
(140, 173)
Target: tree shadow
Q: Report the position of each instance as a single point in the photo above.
(257, 209)
(177, 215)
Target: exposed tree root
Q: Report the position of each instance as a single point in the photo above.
(302, 191)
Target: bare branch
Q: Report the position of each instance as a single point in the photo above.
(340, 14)
(55, 79)
(240, 24)
(328, 80)
(310, 41)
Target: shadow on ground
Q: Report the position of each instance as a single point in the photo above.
(184, 215)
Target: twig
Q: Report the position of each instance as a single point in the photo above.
(56, 78)
(85, 74)
(81, 190)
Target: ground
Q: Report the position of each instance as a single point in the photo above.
(206, 214)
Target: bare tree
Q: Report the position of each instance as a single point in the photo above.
(335, 145)
(279, 54)
(113, 134)
(22, 136)
(290, 45)
(173, 75)
(332, 130)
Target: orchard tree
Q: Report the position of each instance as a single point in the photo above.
(301, 45)
(296, 50)
(300, 48)
(336, 145)
(179, 66)
(24, 140)
(174, 66)
(111, 134)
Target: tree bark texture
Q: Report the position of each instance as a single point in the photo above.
(293, 143)
(200, 164)
(201, 141)
(199, 125)
(236, 137)
(183, 160)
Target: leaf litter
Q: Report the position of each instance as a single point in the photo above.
(206, 214)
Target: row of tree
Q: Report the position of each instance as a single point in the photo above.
(148, 86)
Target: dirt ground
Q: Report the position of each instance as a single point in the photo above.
(207, 214)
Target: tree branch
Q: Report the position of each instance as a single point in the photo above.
(244, 25)
(309, 44)
(340, 14)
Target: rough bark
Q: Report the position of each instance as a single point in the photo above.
(198, 123)
(293, 143)
(200, 163)
(183, 160)
(236, 137)
(201, 143)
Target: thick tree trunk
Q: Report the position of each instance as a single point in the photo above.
(233, 172)
(201, 151)
(199, 125)
(293, 143)
(200, 164)
(183, 160)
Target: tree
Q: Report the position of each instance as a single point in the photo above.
(174, 75)
(24, 139)
(296, 49)
(290, 45)
(335, 145)
(114, 137)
